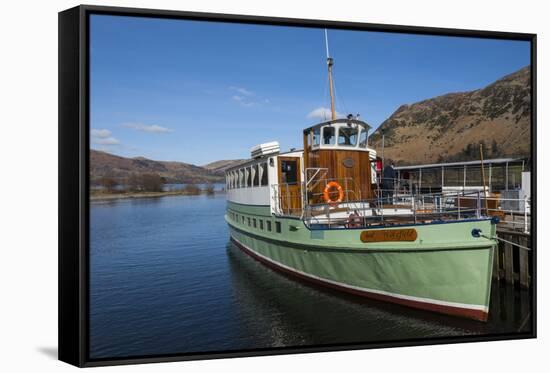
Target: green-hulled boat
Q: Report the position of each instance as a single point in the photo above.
(320, 214)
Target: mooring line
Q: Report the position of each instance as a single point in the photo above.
(503, 240)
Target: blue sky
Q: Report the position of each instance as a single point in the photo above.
(202, 91)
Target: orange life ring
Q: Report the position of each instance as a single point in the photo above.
(327, 191)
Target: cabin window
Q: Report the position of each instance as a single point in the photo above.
(243, 219)
(247, 177)
(278, 226)
(254, 223)
(347, 136)
(261, 224)
(256, 174)
(249, 222)
(328, 135)
(316, 136)
(263, 174)
(363, 138)
(289, 171)
(268, 225)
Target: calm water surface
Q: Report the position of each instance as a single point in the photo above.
(165, 279)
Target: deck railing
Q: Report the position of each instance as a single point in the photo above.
(395, 205)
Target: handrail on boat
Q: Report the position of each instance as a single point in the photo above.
(392, 204)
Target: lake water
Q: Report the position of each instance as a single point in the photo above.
(165, 279)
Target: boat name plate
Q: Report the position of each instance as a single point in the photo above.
(382, 235)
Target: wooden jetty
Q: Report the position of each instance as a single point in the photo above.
(513, 261)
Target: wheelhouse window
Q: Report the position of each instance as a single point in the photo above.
(329, 135)
(316, 136)
(363, 138)
(347, 136)
(263, 174)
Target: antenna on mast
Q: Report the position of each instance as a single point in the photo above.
(326, 43)
(330, 62)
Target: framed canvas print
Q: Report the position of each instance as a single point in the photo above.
(238, 186)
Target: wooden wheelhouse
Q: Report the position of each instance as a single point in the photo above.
(336, 151)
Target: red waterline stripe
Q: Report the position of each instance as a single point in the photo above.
(448, 310)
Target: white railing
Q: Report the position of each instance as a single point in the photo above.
(392, 206)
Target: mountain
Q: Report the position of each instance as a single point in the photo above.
(221, 166)
(104, 164)
(450, 127)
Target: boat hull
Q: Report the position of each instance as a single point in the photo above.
(445, 278)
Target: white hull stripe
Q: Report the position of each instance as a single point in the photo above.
(376, 291)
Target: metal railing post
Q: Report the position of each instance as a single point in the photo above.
(478, 212)
(458, 201)
(525, 225)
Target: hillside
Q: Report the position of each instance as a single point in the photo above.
(120, 168)
(221, 166)
(450, 127)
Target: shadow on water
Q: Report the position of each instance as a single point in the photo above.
(299, 313)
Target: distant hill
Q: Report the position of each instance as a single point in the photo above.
(221, 166)
(120, 168)
(450, 127)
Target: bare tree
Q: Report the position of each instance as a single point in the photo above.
(151, 182)
(108, 183)
(209, 189)
(191, 189)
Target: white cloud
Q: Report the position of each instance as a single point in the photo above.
(100, 133)
(151, 128)
(247, 98)
(323, 113)
(106, 141)
(102, 137)
(242, 91)
(243, 101)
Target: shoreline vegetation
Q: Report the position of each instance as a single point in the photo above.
(144, 186)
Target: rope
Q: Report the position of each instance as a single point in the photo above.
(506, 241)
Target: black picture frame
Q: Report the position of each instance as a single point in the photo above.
(74, 179)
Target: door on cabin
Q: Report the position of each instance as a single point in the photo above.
(290, 190)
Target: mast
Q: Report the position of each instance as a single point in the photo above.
(330, 62)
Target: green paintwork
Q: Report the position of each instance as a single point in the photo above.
(445, 263)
